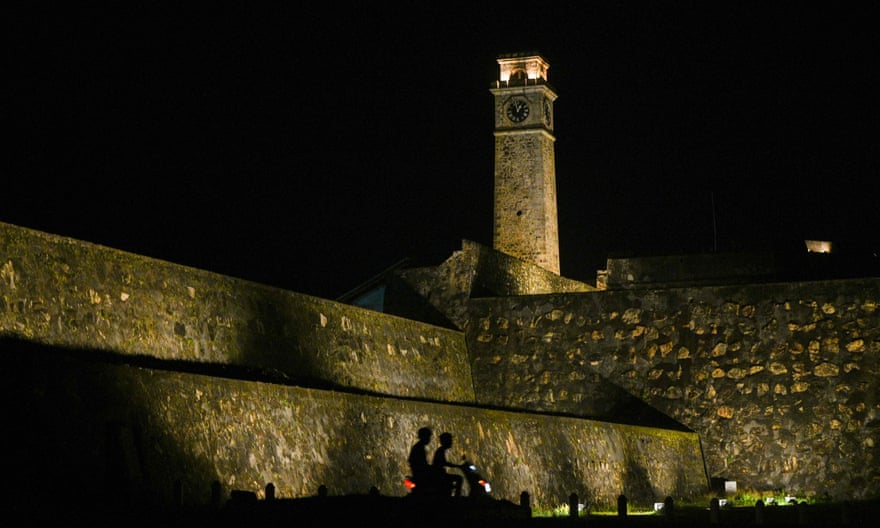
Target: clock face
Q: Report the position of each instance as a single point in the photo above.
(547, 117)
(517, 110)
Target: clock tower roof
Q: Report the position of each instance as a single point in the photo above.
(522, 69)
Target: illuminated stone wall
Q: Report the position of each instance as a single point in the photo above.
(779, 380)
(478, 271)
(126, 373)
(69, 293)
(106, 432)
(122, 374)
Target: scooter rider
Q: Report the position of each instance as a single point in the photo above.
(439, 463)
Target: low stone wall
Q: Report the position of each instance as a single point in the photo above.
(671, 271)
(65, 292)
(780, 380)
(114, 431)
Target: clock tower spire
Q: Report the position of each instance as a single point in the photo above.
(526, 224)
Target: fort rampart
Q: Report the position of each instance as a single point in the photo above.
(69, 293)
(117, 429)
(127, 374)
(780, 380)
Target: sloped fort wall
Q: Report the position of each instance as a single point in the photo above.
(110, 375)
(108, 431)
(64, 292)
(780, 380)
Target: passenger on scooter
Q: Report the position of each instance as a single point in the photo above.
(450, 481)
(418, 458)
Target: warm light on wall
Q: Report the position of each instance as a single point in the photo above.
(818, 246)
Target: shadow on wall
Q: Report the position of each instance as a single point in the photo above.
(81, 442)
(636, 483)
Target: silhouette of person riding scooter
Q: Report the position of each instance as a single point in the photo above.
(432, 480)
(421, 471)
(446, 480)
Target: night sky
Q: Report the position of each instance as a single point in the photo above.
(309, 148)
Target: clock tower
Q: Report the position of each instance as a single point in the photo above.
(526, 224)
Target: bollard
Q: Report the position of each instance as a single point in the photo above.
(669, 508)
(714, 506)
(322, 491)
(573, 505)
(802, 514)
(177, 494)
(844, 514)
(524, 500)
(621, 505)
(216, 500)
(270, 491)
(759, 512)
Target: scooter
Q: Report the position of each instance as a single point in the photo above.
(477, 485)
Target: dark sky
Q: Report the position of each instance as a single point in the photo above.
(309, 148)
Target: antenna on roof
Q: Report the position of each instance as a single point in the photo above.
(714, 227)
